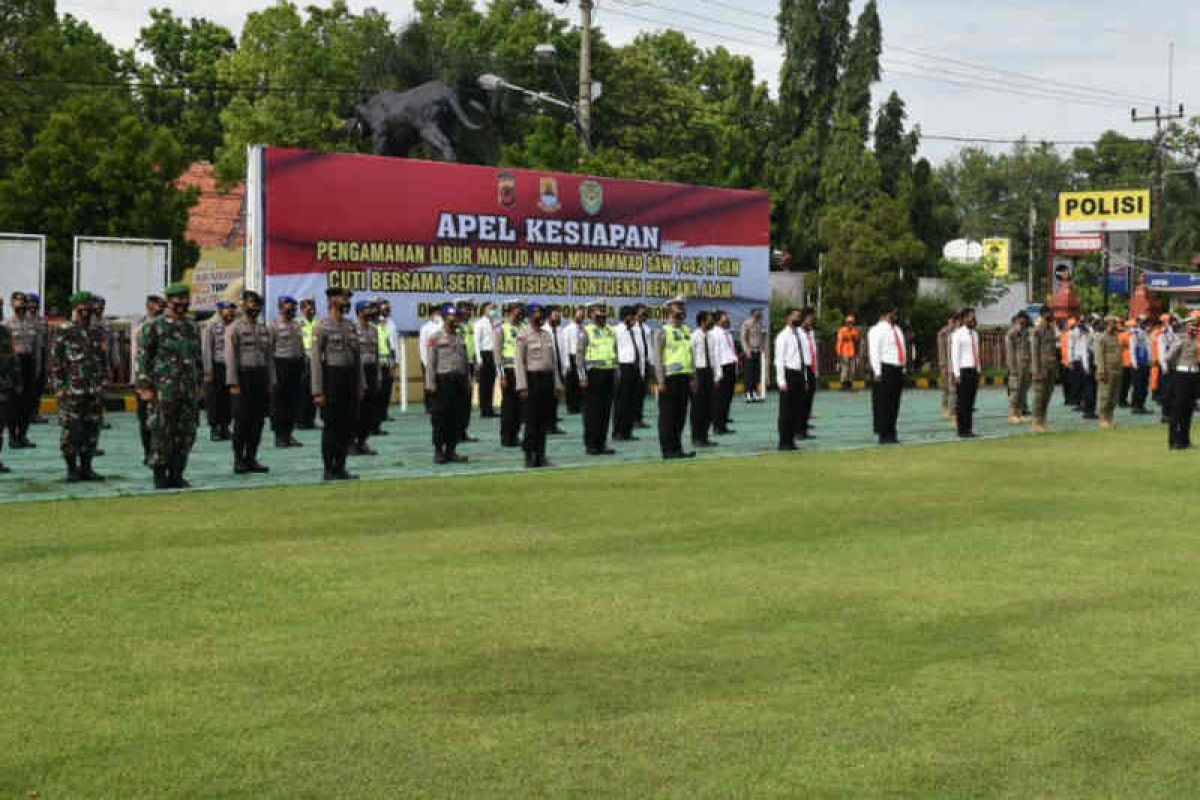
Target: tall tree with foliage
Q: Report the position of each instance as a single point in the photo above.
(872, 258)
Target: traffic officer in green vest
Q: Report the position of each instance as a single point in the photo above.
(675, 379)
(308, 321)
(597, 360)
(389, 346)
(466, 309)
(510, 404)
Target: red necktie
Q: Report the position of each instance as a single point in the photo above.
(812, 353)
(899, 347)
(975, 349)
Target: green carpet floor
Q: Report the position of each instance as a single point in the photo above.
(843, 423)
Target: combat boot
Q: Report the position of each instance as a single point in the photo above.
(4, 470)
(73, 475)
(85, 470)
(175, 475)
(252, 463)
(160, 477)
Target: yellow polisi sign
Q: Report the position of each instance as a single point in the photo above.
(1099, 212)
(996, 253)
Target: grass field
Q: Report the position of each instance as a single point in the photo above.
(1012, 617)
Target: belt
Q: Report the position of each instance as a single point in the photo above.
(1187, 369)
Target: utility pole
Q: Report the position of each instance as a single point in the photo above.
(1032, 229)
(1160, 203)
(585, 73)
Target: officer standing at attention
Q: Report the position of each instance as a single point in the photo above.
(217, 399)
(250, 375)
(967, 366)
(466, 329)
(308, 322)
(1166, 340)
(10, 380)
(725, 364)
(1044, 361)
(506, 343)
(368, 401)
(1017, 353)
(432, 325)
(889, 357)
(287, 351)
(1109, 367)
(169, 376)
(484, 333)
(703, 362)
(569, 344)
(155, 306)
(554, 324)
(753, 337)
(79, 385)
(33, 310)
(336, 368)
(847, 352)
(597, 360)
(949, 393)
(675, 376)
(1184, 359)
(791, 376)
(538, 384)
(25, 346)
(389, 354)
(628, 377)
(445, 385)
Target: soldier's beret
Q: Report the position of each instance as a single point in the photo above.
(337, 291)
(80, 299)
(465, 302)
(174, 290)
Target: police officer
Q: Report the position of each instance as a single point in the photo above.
(445, 385)
(10, 380)
(1184, 359)
(1108, 370)
(368, 402)
(538, 384)
(1044, 361)
(597, 359)
(506, 344)
(155, 306)
(466, 329)
(79, 385)
(1017, 353)
(250, 375)
(287, 352)
(702, 358)
(217, 400)
(675, 378)
(308, 321)
(25, 346)
(336, 369)
(169, 375)
(33, 310)
(389, 349)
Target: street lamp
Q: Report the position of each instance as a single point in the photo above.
(494, 83)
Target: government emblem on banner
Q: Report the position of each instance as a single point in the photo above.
(506, 189)
(548, 196)
(591, 194)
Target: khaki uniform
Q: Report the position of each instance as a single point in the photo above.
(538, 377)
(1108, 374)
(949, 391)
(1044, 361)
(1018, 356)
(446, 384)
(336, 373)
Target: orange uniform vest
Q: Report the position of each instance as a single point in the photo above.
(1126, 357)
(847, 342)
(1064, 344)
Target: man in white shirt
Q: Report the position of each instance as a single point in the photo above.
(725, 371)
(1139, 357)
(485, 359)
(1083, 365)
(889, 358)
(810, 358)
(703, 399)
(570, 334)
(645, 341)
(561, 360)
(791, 378)
(630, 372)
(391, 360)
(432, 326)
(965, 365)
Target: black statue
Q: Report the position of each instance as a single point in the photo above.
(399, 121)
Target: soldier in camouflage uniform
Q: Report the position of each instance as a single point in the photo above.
(1017, 354)
(1108, 370)
(10, 381)
(1044, 360)
(79, 383)
(170, 375)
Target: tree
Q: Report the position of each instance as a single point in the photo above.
(972, 283)
(97, 169)
(894, 147)
(862, 69)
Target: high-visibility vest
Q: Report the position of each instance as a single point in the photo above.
(508, 353)
(677, 351)
(469, 336)
(385, 346)
(602, 347)
(847, 342)
(1126, 340)
(306, 332)
(1065, 346)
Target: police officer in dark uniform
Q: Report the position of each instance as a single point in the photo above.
(336, 369)
(446, 384)
(287, 350)
(216, 394)
(506, 345)
(250, 375)
(368, 401)
(539, 383)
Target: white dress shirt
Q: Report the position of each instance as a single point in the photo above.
(787, 354)
(964, 350)
(428, 331)
(568, 343)
(1138, 338)
(700, 349)
(645, 339)
(629, 350)
(485, 338)
(1079, 347)
(720, 342)
(1165, 343)
(885, 343)
(808, 349)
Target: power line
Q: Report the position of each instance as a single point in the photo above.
(947, 74)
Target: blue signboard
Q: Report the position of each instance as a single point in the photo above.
(1173, 281)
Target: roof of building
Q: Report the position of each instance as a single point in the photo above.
(216, 221)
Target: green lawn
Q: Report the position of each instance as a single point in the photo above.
(1012, 618)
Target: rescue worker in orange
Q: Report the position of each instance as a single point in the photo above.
(1071, 388)
(848, 338)
(1126, 338)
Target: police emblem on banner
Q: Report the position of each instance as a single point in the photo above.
(548, 196)
(591, 194)
(506, 189)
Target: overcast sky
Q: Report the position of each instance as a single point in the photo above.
(1049, 69)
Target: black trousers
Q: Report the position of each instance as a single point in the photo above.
(25, 405)
(885, 401)
(289, 391)
(1166, 389)
(629, 388)
(723, 397)
(968, 387)
(250, 412)
(1126, 386)
(791, 406)
(539, 412)
(445, 406)
(143, 418)
(702, 405)
(387, 381)
(647, 382)
(597, 407)
(574, 394)
(1141, 386)
(463, 417)
(1070, 381)
(217, 399)
(510, 410)
(368, 404)
(806, 402)
(752, 372)
(487, 383)
(308, 412)
(338, 415)
(1087, 390)
(673, 399)
(1183, 406)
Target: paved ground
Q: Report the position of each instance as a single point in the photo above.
(844, 423)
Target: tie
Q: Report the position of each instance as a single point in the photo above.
(799, 348)
(645, 345)
(900, 354)
(812, 351)
(557, 352)
(975, 348)
(707, 357)
(637, 352)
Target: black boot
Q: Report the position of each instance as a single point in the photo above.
(330, 472)
(530, 460)
(85, 469)
(73, 475)
(160, 477)
(178, 467)
(252, 461)
(341, 474)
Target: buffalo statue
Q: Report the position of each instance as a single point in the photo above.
(399, 121)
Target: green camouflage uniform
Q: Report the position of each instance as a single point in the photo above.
(1020, 370)
(1044, 358)
(79, 381)
(169, 363)
(10, 378)
(1108, 373)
